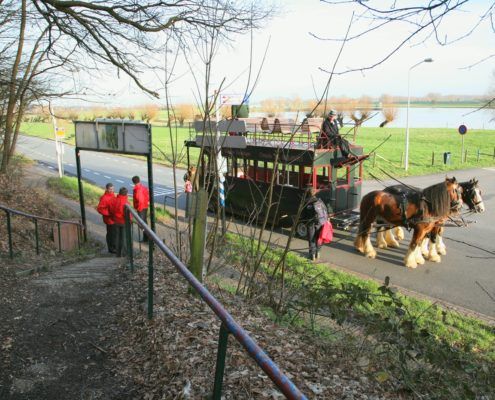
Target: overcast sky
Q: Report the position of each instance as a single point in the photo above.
(292, 66)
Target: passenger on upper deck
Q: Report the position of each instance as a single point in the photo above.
(330, 136)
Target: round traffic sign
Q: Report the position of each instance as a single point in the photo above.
(462, 129)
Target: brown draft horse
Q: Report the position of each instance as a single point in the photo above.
(418, 210)
(433, 245)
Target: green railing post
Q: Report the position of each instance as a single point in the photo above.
(9, 232)
(59, 238)
(36, 235)
(130, 247)
(150, 279)
(223, 340)
(79, 233)
(81, 194)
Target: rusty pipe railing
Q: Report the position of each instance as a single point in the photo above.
(228, 325)
(36, 218)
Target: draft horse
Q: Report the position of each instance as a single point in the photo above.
(471, 197)
(419, 210)
(433, 245)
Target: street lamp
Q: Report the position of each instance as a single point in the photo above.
(406, 157)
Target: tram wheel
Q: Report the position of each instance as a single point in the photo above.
(301, 230)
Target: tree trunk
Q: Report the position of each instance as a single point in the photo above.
(9, 118)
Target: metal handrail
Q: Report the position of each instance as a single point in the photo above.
(228, 326)
(36, 218)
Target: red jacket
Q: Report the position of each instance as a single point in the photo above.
(117, 209)
(141, 197)
(104, 207)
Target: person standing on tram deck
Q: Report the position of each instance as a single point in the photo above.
(314, 214)
(104, 209)
(330, 136)
(141, 201)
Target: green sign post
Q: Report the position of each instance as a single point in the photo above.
(115, 136)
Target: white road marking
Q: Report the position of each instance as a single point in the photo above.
(108, 177)
(86, 170)
(49, 166)
(96, 173)
(118, 180)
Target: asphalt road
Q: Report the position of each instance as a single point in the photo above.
(101, 168)
(465, 277)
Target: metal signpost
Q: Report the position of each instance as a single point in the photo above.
(114, 136)
(462, 130)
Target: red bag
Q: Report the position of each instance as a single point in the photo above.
(326, 233)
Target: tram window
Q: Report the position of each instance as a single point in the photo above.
(322, 177)
(343, 175)
(251, 169)
(293, 175)
(230, 166)
(307, 177)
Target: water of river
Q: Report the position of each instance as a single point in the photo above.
(449, 118)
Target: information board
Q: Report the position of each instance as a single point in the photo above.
(114, 135)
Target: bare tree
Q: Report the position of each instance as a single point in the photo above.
(425, 20)
(56, 38)
(389, 110)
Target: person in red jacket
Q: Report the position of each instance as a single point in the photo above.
(141, 201)
(117, 213)
(104, 209)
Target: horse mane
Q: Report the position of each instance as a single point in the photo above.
(436, 200)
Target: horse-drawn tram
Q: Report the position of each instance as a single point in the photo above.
(255, 156)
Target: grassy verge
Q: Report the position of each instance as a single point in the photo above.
(433, 351)
(427, 146)
(67, 186)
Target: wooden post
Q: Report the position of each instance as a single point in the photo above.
(478, 156)
(199, 234)
(432, 158)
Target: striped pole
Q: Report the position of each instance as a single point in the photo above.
(221, 190)
(221, 197)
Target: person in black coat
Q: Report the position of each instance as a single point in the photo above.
(330, 136)
(314, 214)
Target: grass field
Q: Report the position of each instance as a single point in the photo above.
(427, 146)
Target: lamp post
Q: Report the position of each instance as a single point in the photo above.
(406, 157)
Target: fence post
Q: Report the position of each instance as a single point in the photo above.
(59, 238)
(9, 232)
(130, 247)
(432, 158)
(223, 340)
(36, 236)
(79, 236)
(150, 278)
(478, 156)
